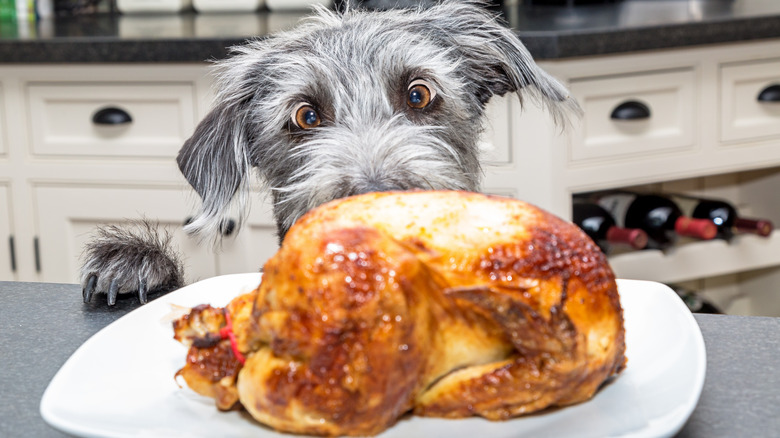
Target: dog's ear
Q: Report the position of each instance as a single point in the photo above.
(496, 60)
(214, 161)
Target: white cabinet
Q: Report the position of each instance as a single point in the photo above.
(496, 144)
(128, 120)
(257, 241)
(68, 215)
(658, 113)
(744, 115)
(3, 136)
(65, 173)
(706, 133)
(69, 173)
(7, 246)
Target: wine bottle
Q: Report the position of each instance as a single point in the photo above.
(656, 215)
(725, 217)
(695, 302)
(600, 226)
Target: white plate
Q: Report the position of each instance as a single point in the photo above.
(120, 383)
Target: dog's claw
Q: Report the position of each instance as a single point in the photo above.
(142, 292)
(89, 288)
(136, 259)
(113, 290)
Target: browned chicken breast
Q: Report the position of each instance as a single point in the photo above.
(446, 304)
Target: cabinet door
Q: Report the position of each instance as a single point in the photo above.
(6, 243)
(256, 242)
(67, 217)
(495, 142)
(3, 147)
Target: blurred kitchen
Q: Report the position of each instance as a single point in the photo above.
(681, 101)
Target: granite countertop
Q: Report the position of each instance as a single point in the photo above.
(42, 324)
(549, 32)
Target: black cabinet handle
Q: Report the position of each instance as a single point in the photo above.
(12, 246)
(36, 247)
(770, 94)
(631, 110)
(111, 116)
(227, 227)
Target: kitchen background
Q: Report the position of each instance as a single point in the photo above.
(680, 97)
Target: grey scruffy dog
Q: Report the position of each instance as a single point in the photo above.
(346, 103)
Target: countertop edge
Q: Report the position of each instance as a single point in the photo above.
(543, 45)
(616, 41)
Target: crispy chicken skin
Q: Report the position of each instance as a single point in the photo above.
(446, 304)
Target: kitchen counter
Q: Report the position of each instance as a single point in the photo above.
(42, 324)
(548, 32)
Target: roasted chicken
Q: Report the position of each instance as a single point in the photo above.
(446, 304)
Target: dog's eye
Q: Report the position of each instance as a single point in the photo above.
(306, 117)
(420, 94)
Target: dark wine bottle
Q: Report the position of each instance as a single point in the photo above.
(726, 218)
(600, 226)
(658, 216)
(695, 302)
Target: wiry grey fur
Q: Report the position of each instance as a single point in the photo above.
(135, 258)
(354, 67)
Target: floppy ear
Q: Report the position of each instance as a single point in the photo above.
(497, 61)
(214, 161)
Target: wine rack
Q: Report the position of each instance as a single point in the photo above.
(741, 275)
(705, 133)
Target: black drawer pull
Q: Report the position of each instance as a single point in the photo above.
(12, 246)
(770, 94)
(631, 110)
(227, 227)
(111, 116)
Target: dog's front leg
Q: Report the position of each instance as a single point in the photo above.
(133, 258)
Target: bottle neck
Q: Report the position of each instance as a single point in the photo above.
(762, 227)
(633, 237)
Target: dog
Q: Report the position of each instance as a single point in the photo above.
(348, 102)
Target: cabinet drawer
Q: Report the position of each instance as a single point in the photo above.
(63, 119)
(668, 125)
(743, 115)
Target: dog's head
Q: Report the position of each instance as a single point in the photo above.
(358, 101)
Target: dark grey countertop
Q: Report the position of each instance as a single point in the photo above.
(549, 32)
(42, 324)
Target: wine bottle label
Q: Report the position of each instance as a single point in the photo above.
(617, 205)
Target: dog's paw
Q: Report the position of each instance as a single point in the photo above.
(133, 258)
